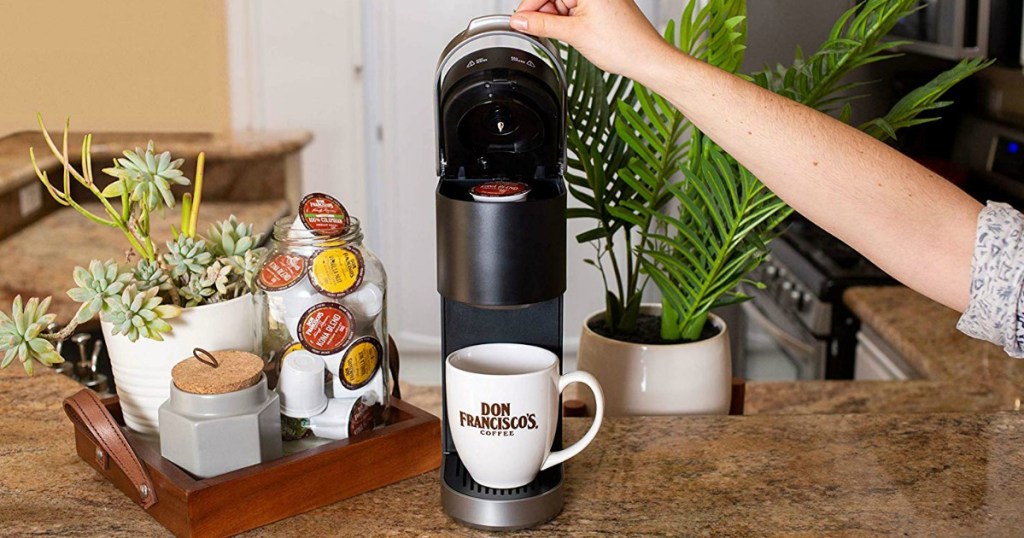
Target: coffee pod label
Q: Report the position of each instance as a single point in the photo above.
(343, 418)
(361, 419)
(359, 362)
(322, 214)
(282, 271)
(325, 328)
(337, 272)
(500, 189)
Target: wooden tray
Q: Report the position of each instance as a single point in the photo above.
(409, 445)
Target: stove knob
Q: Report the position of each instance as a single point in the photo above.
(797, 299)
(771, 271)
(787, 286)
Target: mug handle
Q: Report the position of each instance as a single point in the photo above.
(579, 376)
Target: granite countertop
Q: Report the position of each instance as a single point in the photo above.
(16, 168)
(852, 475)
(38, 262)
(959, 372)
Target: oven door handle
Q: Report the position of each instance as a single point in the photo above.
(777, 332)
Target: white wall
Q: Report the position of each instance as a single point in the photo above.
(299, 66)
(402, 44)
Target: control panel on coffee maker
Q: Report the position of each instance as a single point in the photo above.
(501, 228)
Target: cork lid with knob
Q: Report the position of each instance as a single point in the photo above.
(217, 372)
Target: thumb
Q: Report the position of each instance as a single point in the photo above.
(544, 25)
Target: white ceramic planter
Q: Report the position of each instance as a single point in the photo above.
(693, 378)
(142, 369)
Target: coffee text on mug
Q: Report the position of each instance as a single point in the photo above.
(495, 419)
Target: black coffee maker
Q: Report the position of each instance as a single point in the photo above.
(500, 114)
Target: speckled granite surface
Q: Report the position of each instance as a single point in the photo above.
(958, 371)
(39, 262)
(806, 475)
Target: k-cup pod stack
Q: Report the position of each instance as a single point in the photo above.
(323, 298)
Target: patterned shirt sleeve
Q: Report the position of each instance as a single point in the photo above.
(996, 309)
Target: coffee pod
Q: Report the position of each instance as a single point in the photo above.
(291, 348)
(365, 302)
(322, 214)
(301, 385)
(281, 271)
(500, 191)
(301, 239)
(358, 363)
(337, 272)
(345, 417)
(325, 329)
(376, 384)
(283, 277)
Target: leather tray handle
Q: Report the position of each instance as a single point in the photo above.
(89, 415)
(393, 363)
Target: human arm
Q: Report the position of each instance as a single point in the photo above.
(909, 221)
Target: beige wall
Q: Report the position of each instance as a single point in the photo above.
(114, 65)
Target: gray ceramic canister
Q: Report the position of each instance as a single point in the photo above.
(212, 434)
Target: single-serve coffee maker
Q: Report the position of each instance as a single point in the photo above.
(501, 225)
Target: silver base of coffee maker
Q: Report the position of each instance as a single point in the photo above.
(502, 515)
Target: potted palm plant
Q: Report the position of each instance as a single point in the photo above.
(157, 306)
(670, 207)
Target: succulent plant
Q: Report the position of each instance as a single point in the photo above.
(232, 238)
(20, 334)
(96, 284)
(218, 276)
(140, 313)
(250, 266)
(196, 291)
(146, 177)
(187, 256)
(149, 274)
(137, 300)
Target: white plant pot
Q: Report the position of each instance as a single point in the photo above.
(142, 369)
(693, 378)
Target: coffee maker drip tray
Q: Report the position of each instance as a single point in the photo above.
(457, 478)
(499, 509)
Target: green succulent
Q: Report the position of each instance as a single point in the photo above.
(149, 274)
(250, 266)
(96, 284)
(146, 176)
(218, 276)
(187, 256)
(232, 238)
(140, 313)
(196, 291)
(20, 334)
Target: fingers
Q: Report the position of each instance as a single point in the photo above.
(532, 5)
(544, 25)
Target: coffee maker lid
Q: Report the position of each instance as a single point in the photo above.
(485, 27)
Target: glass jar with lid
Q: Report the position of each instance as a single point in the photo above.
(322, 293)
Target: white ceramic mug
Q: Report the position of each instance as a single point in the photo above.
(503, 411)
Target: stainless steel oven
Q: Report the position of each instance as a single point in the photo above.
(956, 29)
(779, 348)
(797, 325)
